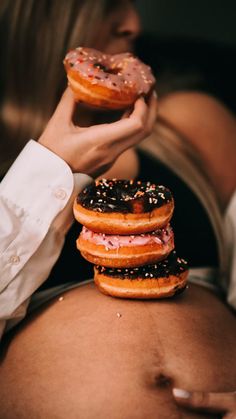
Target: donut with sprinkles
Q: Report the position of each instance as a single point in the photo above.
(125, 251)
(107, 81)
(119, 206)
(160, 280)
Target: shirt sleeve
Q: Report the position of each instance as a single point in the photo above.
(36, 199)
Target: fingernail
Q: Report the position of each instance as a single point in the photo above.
(182, 394)
(155, 94)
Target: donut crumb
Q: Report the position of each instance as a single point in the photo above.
(119, 315)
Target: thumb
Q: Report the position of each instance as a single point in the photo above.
(208, 401)
(65, 108)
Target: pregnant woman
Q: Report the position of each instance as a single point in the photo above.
(86, 355)
(82, 354)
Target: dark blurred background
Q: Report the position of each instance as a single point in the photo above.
(191, 45)
(212, 20)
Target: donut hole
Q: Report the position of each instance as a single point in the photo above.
(109, 70)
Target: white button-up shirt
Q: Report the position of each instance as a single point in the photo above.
(36, 198)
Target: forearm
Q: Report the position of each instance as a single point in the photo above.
(36, 199)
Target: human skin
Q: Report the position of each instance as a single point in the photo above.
(87, 355)
(210, 128)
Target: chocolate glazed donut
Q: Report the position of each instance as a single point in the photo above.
(124, 207)
(160, 280)
(107, 81)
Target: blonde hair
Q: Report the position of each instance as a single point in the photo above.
(35, 35)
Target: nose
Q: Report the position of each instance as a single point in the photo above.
(130, 27)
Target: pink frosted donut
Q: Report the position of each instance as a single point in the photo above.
(107, 81)
(120, 251)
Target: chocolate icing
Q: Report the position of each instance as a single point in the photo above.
(126, 196)
(172, 265)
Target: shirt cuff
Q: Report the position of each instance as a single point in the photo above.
(36, 178)
(39, 177)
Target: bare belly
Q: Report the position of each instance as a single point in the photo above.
(90, 356)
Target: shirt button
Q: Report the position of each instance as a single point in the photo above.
(60, 194)
(14, 259)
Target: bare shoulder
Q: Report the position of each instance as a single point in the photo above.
(196, 115)
(210, 127)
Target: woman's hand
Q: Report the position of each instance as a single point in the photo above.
(93, 150)
(207, 401)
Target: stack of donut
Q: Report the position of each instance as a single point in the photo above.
(127, 235)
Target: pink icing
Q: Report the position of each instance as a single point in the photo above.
(121, 71)
(160, 236)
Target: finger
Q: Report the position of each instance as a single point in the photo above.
(127, 113)
(221, 402)
(140, 109)
(139, 113)
(152, 97)
(152, 113)
(124, 128)
(65, 108)
(150, 121)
